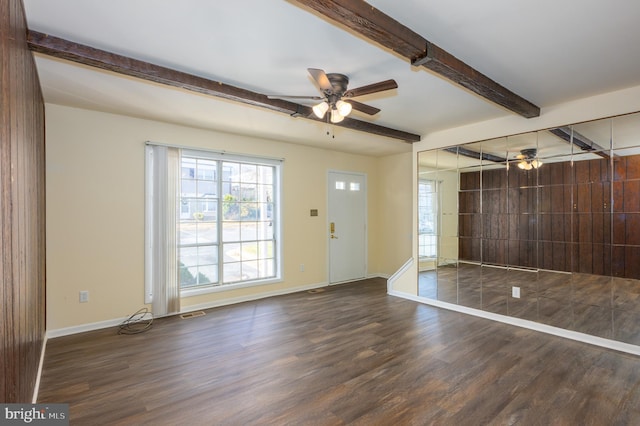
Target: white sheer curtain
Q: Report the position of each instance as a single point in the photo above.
(162, 286)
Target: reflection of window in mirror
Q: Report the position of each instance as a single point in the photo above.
(427, 220)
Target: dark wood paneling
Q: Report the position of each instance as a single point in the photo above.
(633, 167)
(545, 254)
(601, 170)
(544, 221)
(489, 251)
(528, 255)
(544, 199)
(469, 181)
(631, 197)
(632, 229)
(626, 168)
(513, 252)
(584, 227)
(476, 252)
(601, 259)
(599, 196)
(494, 226)
(513, 201)
(22, 209)
(464, 225)
(561, 199)
(619, 168)
(469, 249)
(582, 198)
(631, 261)
(617, 260)
(528, 198)
(494, 251)
(618, 196)
(601, 231)
(494, 200)
(561, 227)
(469, 201)
(581, 172)
(567, 217)
(555, 173)
(619, 228)
(561, 259)
(493, 179)
(583, 258)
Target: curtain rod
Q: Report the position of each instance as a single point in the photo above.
(213, 151)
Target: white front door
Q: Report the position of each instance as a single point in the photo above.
(347, 227)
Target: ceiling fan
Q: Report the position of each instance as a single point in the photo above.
(528, 159)
(337, 98)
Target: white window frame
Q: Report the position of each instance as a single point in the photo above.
(277, 222)
(435, 208)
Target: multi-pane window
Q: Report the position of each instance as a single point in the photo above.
(427, 218)
(227, 224)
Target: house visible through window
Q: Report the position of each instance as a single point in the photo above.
(227, 224)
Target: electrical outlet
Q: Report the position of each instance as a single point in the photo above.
(515, 292)
(302, 267)
(84, 296)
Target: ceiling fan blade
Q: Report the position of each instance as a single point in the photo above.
(294, 97)
(321, 78)
(371, 88)
(367, 109)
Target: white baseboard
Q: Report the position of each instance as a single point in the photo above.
(385, 276)
(36, 388)
(207, 305)
(249, 298)
(51, 334)
(531, 325)
(213, 304)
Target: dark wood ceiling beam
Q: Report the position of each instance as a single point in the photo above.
(363, 126)
(374, 25)
(465, 152)
(87, 55)
(584, 143)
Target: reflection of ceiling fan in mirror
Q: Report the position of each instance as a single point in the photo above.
(528, 159)
(336, 98)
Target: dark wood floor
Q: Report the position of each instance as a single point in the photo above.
(348, 355)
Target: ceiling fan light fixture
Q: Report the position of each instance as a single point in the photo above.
(333, 86)
(321, 109)
(528, 159)
(344, 108)
(525, 165)
(336, 117)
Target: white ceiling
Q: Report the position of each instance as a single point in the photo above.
(547, 51)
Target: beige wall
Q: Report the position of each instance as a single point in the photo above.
(392, 238)
(95, 211)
